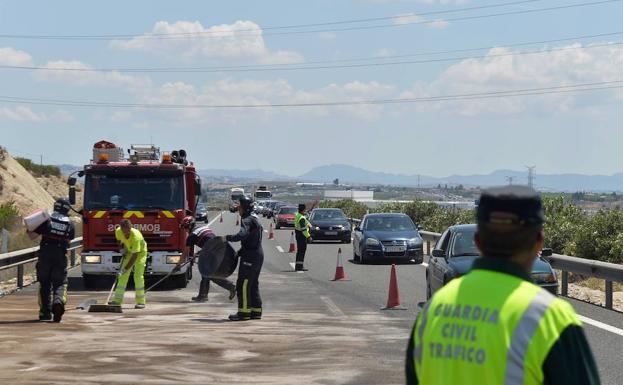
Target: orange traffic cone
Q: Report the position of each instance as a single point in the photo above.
(340, 274)
(292, 244)
(221, 219)
(393, 299)
(271, 234)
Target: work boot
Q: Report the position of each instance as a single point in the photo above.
(300, 269)
(256, 315)
(45, 316)
(239, 317)
(58, 310)
(200, 298)
(139, 306)
(232, 294)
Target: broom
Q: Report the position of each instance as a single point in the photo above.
(105, 308)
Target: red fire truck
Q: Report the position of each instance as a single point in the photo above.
(156, 192)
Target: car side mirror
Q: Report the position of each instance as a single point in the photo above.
(547, 252)
(438, 253)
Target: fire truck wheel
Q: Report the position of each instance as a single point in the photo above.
(179, 281)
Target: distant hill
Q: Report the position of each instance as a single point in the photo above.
(67, 169)
(243, 174)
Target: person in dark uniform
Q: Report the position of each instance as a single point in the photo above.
(303, 237)
(56, 234)
(493, 325)
(198, 237)
(251, 260)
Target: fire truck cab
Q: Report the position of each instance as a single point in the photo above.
(155, 191)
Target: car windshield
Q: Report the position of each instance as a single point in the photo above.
(262, 194)
(327, 215)
(125, 192)
(393, 223)
(287, 210)
(464, 243)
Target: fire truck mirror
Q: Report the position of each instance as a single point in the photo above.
(72, 181)
(197, 187)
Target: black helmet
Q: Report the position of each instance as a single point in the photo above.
(62, 206)
(247, 203)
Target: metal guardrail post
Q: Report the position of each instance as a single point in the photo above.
(564, 285)
(608, 294)
(20, 276)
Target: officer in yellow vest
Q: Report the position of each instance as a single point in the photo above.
(135, 260)
(493, 325)
(301, 231)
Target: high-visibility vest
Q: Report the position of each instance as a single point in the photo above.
(486, 328)
(297, 224)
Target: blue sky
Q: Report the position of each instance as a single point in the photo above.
(571, 132)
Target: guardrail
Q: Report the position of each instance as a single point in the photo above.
(21, 257)
(610, 272)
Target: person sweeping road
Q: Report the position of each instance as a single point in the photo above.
(134, 260)
(251, 260)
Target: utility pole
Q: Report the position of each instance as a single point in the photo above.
(531, 176)
(41, 160)
(510, 180)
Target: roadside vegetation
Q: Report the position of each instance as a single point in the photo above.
(38, 170)
(568, 229)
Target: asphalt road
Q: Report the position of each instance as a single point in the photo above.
(368, 287)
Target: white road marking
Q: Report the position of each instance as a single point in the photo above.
(266, 231)
(601, 325)
(280, 249)
(293, 265)
(333, 308)
(215, 219)
(30, 369)
(424, 264)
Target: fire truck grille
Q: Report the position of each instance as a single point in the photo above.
(152, 241)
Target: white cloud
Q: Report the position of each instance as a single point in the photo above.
(528, 71)
(22, 113)
(241, 40)
(12, 57)
(88, 78)
(412, 18)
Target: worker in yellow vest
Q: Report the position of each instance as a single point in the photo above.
(135, 260)
(302, 235)
(493, 325)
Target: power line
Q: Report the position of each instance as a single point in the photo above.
(253, 32)
(570, 88)
(304, 66)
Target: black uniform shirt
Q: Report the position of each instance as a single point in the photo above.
(58, 231)
(570, 360)
(249, 236)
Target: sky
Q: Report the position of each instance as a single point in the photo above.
(248, 55)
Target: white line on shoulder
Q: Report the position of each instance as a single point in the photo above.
(280, 249)
(600, 325)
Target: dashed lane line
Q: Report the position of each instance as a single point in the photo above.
(601, 325)
(280, 249)
(214, 220)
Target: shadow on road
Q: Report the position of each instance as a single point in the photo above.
(16, 322)
(211, 321)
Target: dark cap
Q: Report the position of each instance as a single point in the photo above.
(301, 206)
(510, 205)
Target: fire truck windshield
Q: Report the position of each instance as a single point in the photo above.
(129, 192)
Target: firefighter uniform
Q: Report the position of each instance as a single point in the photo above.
(134, 244)
(52, 265)
(493, 325)
(301, 231)
(251, 260)
(198, 237)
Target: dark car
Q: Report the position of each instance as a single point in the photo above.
(201, 214)
(387, 237)
(329, 225)
(285, 216)
(455, 252)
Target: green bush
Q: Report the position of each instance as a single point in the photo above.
(8, 215)
(564, 222)
(37, 169)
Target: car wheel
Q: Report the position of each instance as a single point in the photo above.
(362, 259)
(355, 256)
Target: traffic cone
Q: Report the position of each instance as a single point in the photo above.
(271, 234)
(292, 244)
(393, 299)
(221, 219)
(340, 274)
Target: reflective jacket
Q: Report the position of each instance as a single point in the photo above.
(57, 232)
(302, 224)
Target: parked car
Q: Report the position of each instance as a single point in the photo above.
(329, 224)
(455, 252)
(278, 205)
(201, 214)
(387, 236)
(285, 216)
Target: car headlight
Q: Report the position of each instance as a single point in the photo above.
(92, 259)
(372, 242)
(414, 242)
(316, 228)
(174, 259)
(544, 278)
